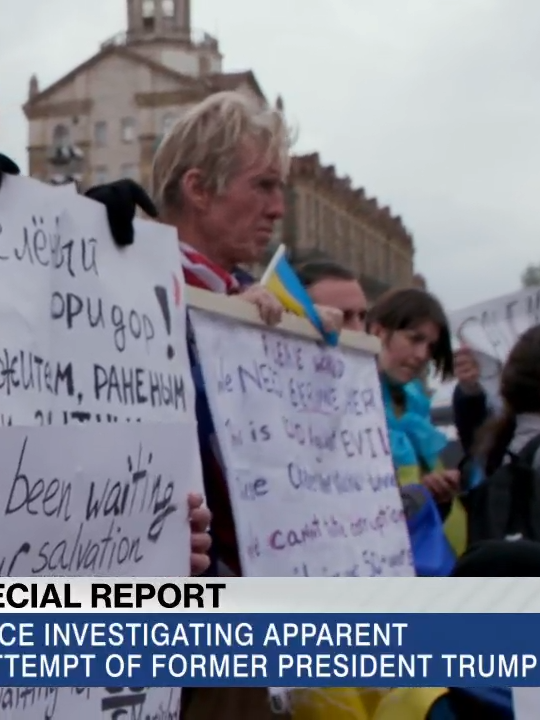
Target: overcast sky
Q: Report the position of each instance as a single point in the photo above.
(432, 105)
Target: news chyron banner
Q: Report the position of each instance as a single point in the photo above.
(97, 412)
(129, 636)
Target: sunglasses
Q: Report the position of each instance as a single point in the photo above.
(351, 315)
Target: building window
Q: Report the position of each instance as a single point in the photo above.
(130, 170)
(167, 123)
(149, 8)
(100, 133)
(60, 136)
(101, 175)
(128, 130)
(149, 14)
(204, 65)
(167, 8)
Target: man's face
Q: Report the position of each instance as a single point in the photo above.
(241, 218)
(345, 295)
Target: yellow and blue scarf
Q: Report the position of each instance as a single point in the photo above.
(416, 445)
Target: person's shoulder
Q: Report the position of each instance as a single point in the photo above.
(243, 277)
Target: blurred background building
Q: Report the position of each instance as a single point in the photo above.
(326, 215)
(117, 105)
(104, 119)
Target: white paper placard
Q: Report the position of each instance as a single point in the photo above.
(88, 332)
(303, 436)
(491, 328)
(94, 334)
(89, 703)
(91, 500)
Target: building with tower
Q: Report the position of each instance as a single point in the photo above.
(104, 119)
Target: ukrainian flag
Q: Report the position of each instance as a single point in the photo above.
(284, 283)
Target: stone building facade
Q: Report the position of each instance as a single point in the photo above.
(327, 215)
(115, 107)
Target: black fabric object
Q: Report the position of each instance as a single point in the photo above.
(507, 504)
(121, 199)
(470, 413)
(500, 558)
(8, 167)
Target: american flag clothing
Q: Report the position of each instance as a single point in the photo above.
(201, 272)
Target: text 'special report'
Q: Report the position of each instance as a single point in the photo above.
(267, 632)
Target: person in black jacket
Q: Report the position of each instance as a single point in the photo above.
(470, 404)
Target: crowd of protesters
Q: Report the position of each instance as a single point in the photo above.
(218, 178)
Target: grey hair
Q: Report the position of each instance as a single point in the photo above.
(208, 137)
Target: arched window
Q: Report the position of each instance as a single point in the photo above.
(60, 136)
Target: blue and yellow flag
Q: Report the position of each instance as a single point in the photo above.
(284, 283)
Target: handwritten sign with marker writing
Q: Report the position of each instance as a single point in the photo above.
(302, 431)
(492, 328)
(89, 332)
(91, 335)
(70, 510)
(90, 703)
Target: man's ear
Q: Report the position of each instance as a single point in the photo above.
(376, 329)
(193, 189)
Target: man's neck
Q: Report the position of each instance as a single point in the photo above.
(203, 245)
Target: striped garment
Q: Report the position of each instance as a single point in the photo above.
(201, 272)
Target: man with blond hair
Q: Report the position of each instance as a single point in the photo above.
(218, 177)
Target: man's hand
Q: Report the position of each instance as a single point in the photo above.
(331, 318)
(121, 199)
(467, 370)
(199, 518)
(269, 307)
(7, 167)
(443, 484)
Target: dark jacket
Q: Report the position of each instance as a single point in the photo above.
(224, 558)
(470, 413)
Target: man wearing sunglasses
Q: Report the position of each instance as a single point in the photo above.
(329, 284)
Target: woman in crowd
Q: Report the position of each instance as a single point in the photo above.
(414, 332)
(511, 440)
(519, 421)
